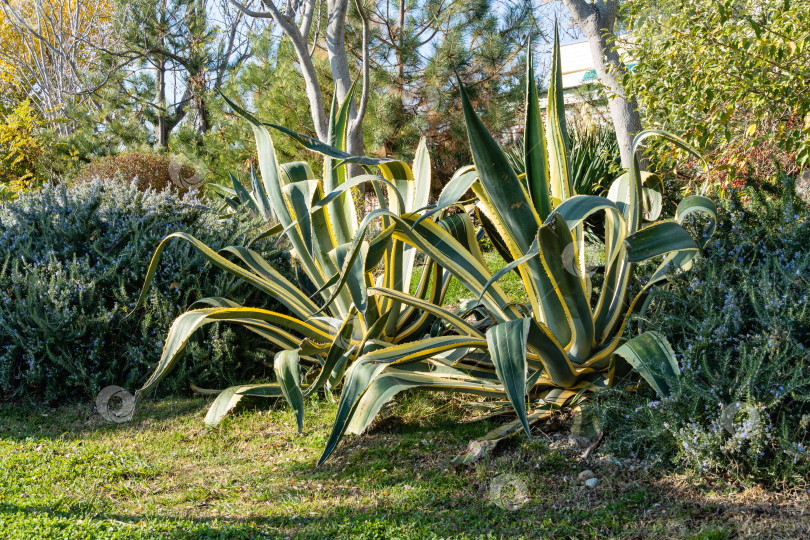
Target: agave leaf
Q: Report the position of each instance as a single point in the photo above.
(264, 278)
(271, 282)
(658, 239)
(534, 146)
(415, 351)
(244, 195)
(421, 177)
(679, 261)
(366, 368)
(310, 143)
(578, 208)
(259, 196)
(431, 289)
(559, 256)
(635, 193)
(360, 179)
(652, 356)
(274, 335)
(534, 251)
(419, 195)
(698, 204)
(328, 200)
(452, 191)
(339, 370)
(358, 377)
(355, 273)
(510, 210)
(507, 345)
(271, 177)
(288, 374)
(272, 231)
(511, 203)
(276, 324)
(492, 233)
(337, 351)
(299, 195)
(324, 237)
(393, 278)
(230, 397)
(551, 356)
(378, 247)
(460, 226)
(557, 131)
(393, 381)
(428, 307)
(651, 194)
(339, 138)
(443, 248)
(221, 190)
(400, 175)
(440, 245)
(213, 301)
(296, 171)
(374, 331)
(342, 120)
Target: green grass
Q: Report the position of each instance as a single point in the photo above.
(510, 282)
(456, 292)
(65, 473)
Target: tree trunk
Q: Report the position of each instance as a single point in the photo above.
(339, 64)
(597, 21)
(161, 129)
(338, 61)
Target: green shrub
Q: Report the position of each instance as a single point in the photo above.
(74, 260)
(740, 325)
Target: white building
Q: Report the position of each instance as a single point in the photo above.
(579, 79)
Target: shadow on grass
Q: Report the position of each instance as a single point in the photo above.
(469, 519)
(76, 421)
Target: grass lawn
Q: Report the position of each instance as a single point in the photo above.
(456, 292)
(510, 282)
(66, 473)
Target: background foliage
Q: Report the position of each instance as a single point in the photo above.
(74, 260)
(21, 147)
(730, 76)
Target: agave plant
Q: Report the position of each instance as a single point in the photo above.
(254, 200)
(374, 338)
(569, 338)
(337, 314)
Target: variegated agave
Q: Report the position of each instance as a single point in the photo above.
(344, 316)
(379, 339)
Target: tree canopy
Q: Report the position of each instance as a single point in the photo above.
(730, 75)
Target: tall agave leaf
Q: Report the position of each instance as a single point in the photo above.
(535, 158)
